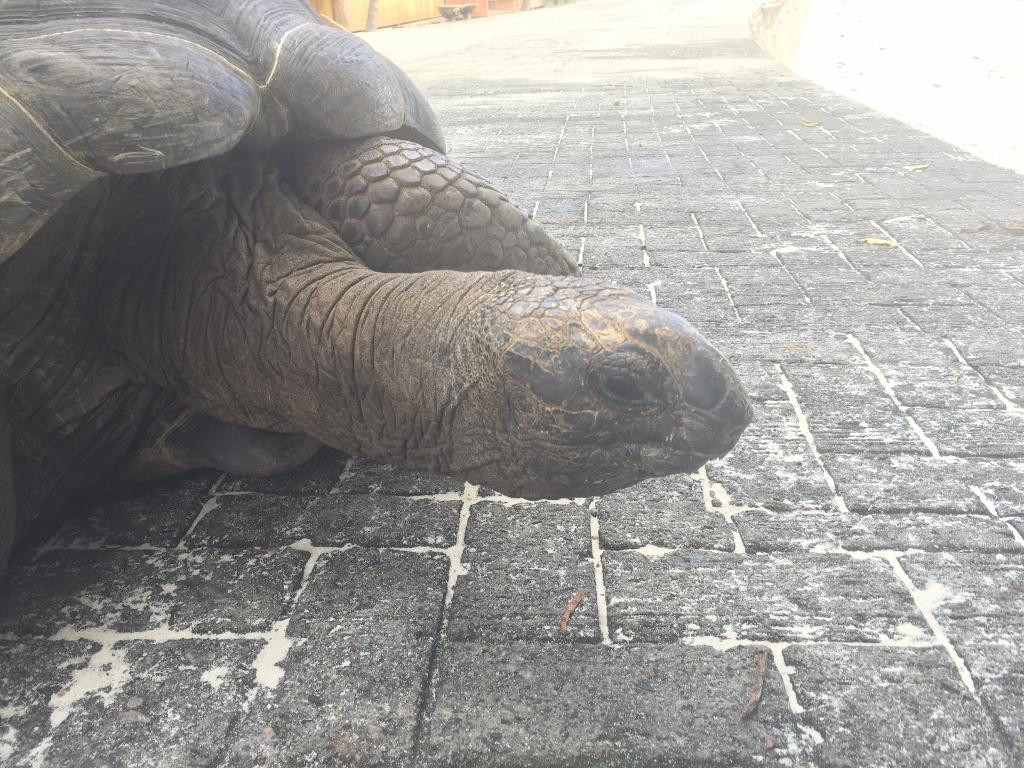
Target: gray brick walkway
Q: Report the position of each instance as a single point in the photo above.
(866, 534)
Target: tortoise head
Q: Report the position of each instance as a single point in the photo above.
(596, 389)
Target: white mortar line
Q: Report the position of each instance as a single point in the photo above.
(1008, 404)
(1009, 275)
(730, 642)
(713, 492)
(277, 643)
(445, 496)
(208, 506)
(1011, 326)
(590, 162)
(807, 298)
(700, 149)
(455, 567)
(825, 238)
(933, 449)
(899, 245)
(728, 293)
(921, 600)
(652, 288)
(346, 473)
(215, 488)
(805, 429)
(600, 595)
(643, 246)
(909, 319)
(785, 672)
(991, 508)
(700, 229)
(650, 551)
(948, 231)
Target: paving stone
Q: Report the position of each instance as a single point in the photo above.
(664, 243)
(856, 697)
(978, 599)
(763, 530)
(849, 412)
(896, 347)
(32, 672)
(981, 344)
(200, 590)
(901, 482)
(997, 670)
(1010, 381)
(606, 247)
(772, 465)
(757, 597)
(975, 597)
(936, 387)
(339, 702)
(357, 590)
(695, 294)
(1002, 482)
(524, 564)
(366, 476)
(788, 345)
(766, 284)
(581, 705)
(170, 704)
(380, 520)
(962, 432)
(665, 512)
(351, 683)
(157, 515)
(761, 379)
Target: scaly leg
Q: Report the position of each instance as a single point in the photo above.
(405, 208)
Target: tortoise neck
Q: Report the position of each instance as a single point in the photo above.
(228, 290)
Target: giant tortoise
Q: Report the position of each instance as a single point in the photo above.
(229, 235)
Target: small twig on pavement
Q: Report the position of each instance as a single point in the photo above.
(758, 692)
(574, 603)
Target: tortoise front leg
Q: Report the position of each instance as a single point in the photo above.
(405, 208)
(181, 439)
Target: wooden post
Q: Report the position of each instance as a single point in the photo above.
(340, 13)
(371, 16)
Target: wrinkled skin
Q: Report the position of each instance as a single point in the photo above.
(217, 290)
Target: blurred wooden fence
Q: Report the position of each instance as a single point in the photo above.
(351, 14)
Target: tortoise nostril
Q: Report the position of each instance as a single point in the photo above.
(705, 385)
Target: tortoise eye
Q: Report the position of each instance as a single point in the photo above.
(625, 388)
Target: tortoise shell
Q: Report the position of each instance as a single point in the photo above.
(96, 87)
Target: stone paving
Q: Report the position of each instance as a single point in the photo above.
(864, 539)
